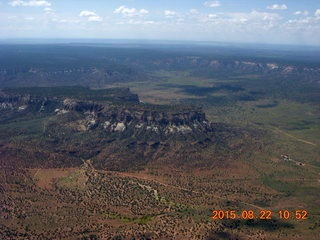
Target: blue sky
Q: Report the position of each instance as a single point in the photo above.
(259, 21)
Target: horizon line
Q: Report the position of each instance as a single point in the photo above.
(145, 41)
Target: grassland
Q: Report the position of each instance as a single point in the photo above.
(301, 120)
(292, 127)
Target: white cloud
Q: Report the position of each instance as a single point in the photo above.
(265, 16)
(131, 12)
(48, 10)
(254, 17)
(136, 22)
(169, 13)
(94, 19)
(208, 18)
(277, 7)
(33, 3)
(317, 13)
(212, 4)
(29, 18)
(87, 14)
(301, 13)
(143, 11)
(212, 15)
(91, 16)
(300, 21)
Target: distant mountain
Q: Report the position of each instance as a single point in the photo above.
(97, 66)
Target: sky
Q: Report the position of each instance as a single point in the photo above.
(244, 21)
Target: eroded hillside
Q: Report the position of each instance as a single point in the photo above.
(113, 129)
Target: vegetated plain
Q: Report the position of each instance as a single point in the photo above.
(271, 91)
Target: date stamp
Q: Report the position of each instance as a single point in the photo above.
(260, 214)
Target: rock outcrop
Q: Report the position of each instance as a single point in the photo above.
(81, 106)
(114, 115)
(143, 121)
(115, 134)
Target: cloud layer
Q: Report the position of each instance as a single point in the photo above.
(277, 7)
(131, 12)
(190, 20)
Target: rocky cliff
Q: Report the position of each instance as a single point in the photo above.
(113, 115)
(117, 135)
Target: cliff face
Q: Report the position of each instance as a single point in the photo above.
(70, 104)
(157, 122)
(16, 99)
(75, 98)
(115, 134)
(137, 121)
(217, 65)
(113, 116)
